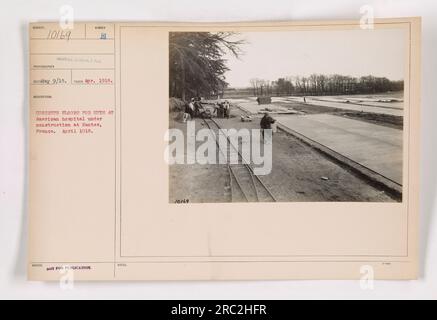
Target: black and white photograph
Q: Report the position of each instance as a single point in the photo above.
(287, 116)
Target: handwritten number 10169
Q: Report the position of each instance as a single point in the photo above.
(59, 34)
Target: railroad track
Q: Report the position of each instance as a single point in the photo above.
(244, 185)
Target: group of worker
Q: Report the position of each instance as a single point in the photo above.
(195, 109)
(222, 109)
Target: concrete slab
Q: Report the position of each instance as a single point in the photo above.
(250, 105)
(387, 109)
(376, 147)
(365, 102)
(393, 102)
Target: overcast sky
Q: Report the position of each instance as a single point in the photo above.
(271, 55)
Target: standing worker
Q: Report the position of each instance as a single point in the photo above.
(191, 108)
(227, 107)
(266, 124)
(187, 112)
(220, 109)
(197, 105)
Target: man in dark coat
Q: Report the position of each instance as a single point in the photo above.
(266, 123)
(227, 109)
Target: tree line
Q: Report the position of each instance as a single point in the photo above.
(197, 64)
(197, 67)
(319, 84)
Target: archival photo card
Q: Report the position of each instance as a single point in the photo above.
(224, 151)
(287, 116)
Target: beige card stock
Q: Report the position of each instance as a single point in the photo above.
(100, 186)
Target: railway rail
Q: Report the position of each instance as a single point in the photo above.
(244, 185)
